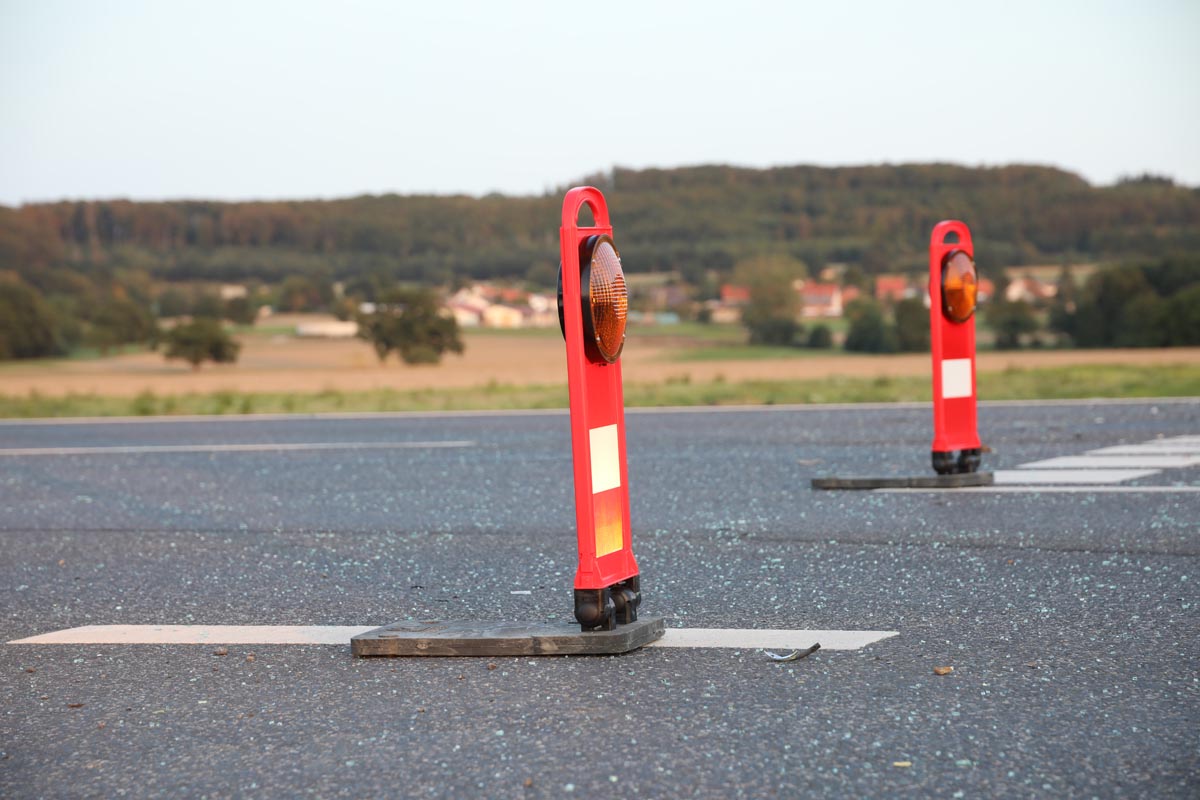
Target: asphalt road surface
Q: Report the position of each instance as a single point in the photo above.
(1067, 605)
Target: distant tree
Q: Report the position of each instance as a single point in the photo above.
(1136, 306)
(1142, 322)
(240, 311)
(201, 340)
(303, 293)
(820, 338)
(541, 276)
(912, 326)
(1010, 320)
(770, 315)
(412, 323)
(1181, 318)
(208, 305)
(28, 327)
(854, 276)
(1066, 296)
(119, 320)
(869, 331)
(172, 303)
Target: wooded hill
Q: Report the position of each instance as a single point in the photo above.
(690, 219)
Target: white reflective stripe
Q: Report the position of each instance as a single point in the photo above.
(1026, 477)
(956, 378)
(606, 458)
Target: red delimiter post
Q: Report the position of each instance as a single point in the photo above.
(952, 283)
(607, 590)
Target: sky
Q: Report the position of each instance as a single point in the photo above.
(154, 99)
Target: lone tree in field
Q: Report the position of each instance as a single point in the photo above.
(770, 316)
(411, 322)
(199, 341)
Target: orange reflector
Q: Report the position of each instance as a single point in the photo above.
(605, 298)
(958, 286)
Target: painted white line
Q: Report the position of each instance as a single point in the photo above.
(1027, 477)
(226, 448)
(1115, 462)
(341, 634)
(1051, 489)
(748, 638)
(201, 634)
(1149, 448)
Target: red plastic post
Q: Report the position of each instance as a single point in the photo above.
(597, 432)
(953, 347)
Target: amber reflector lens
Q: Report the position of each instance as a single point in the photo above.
(606, 305)
(958, 286)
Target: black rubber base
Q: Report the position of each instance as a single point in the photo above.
(959, 481)
(420, 638)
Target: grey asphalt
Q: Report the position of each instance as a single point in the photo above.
(1072, 621)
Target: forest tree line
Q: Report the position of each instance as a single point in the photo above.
(97, 268)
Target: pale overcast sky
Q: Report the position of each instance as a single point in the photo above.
(152, 99)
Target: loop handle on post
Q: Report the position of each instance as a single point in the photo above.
(947, 227)
(576, 199)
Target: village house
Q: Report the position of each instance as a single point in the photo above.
(484, 305)
(1030, 290)
(819, 299)
(892, 288)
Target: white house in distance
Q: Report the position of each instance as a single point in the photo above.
(487, 306)
(327, 329)
(818, 299)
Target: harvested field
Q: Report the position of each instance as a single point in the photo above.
(282, 363)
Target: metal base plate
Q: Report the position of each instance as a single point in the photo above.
(424, 638)
(922, 482)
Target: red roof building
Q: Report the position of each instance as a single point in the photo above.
(734, 295)
(820, 299)
(890, 288)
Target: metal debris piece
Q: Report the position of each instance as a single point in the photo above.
(795, 655)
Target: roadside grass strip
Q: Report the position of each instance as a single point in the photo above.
(262, 447)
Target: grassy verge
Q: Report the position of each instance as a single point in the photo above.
(1174, 380)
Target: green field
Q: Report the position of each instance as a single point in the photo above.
(1012, 384)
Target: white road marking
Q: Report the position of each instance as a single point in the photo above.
(201, 634)
(1149, 448)
(749, 638)
(1052, 489)
(226, 448)
(746, 638)
(1070, 476)
(1148, 461)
